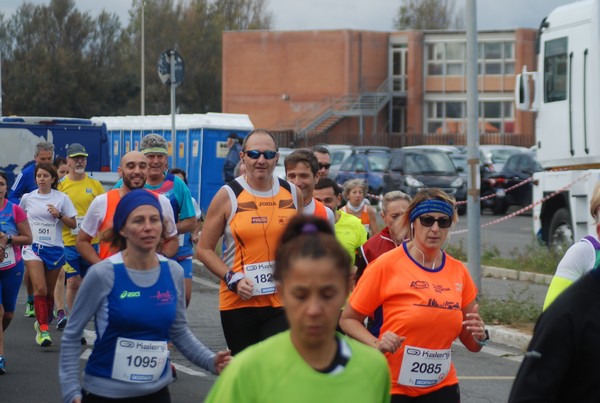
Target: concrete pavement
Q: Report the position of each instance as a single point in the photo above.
(533, 285)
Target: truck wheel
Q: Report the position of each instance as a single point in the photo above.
(560, 236)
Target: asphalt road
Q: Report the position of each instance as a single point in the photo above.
(485, 377)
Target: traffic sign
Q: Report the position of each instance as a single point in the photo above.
(164, 67)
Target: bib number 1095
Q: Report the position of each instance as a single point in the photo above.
(141, 362)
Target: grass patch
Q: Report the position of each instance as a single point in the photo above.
(533, 258)
(514, 310)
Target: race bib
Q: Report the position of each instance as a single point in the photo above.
(9, 257)
(75, 231)
(139, 361)
(422, 367)
(43, 231)
(261, 275)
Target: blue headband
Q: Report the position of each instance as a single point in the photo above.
(130, 202)
(431, 206)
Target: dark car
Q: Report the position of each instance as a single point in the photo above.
(368, 163)
(518, 167)
(411, 170)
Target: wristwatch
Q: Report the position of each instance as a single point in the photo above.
(484, 341)
(60, 215)
(9, 240)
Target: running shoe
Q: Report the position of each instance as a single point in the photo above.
(29, 310)
(42, 338)
(50, 317)
(61, 320)
(2, 366)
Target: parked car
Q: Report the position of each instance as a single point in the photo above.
(368, 163)
(411, 170)
(497, 155)
(518, 167)
(280, 168)
(338, 153)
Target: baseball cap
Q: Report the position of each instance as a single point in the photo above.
(76, 149)
(233, 136)
(154, 144)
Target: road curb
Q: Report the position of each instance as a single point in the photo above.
(498, 334)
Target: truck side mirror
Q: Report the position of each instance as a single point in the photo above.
(523, 100)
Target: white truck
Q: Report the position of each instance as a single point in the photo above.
(566, 97)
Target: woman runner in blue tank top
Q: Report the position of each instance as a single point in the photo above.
(138, 301)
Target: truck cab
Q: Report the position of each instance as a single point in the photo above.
(566, 91)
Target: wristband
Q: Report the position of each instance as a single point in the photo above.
(9, 240)
(231, 279)
(483, 342)
(60, 215)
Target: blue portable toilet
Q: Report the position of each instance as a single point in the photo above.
(199, 146)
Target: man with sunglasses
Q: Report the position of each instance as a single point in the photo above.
(427, 300)
(324, 160)
(250, 213)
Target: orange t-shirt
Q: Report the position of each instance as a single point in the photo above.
(420, 304)
(252, 235)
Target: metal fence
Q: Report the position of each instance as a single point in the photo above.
(396, 140)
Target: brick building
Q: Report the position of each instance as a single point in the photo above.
(365, 87)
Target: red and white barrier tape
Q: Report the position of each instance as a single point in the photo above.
(532, 205)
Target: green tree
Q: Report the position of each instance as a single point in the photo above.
(195, 29)
(60, 62)
(427, 14)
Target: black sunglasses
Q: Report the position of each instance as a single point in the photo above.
(324, 166)
(255, 154)
(428, 221)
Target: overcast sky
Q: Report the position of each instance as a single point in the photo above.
(352, 14)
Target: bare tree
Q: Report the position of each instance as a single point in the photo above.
(428, 14)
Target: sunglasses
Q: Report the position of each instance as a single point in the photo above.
(428, 221)
(324, 166)
(255, 154)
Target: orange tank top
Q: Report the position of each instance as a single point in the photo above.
(251, 238)
(112, 199)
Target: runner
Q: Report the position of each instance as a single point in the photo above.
(133, 169)
(427, 299)
(160, 181)
(348, 229)
(393, 206)
(310, 362)
(354, 192)
(25, 183)
(14, 232)
(62, 169)
(82, 190)
(301, 168)
(250, 213)
(137, 299)
(580, 258)
(47, 210)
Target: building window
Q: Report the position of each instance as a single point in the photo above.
(444, 117)
(496, 58)
(449, 58)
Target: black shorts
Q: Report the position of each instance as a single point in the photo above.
(448, 394)
(244, 327)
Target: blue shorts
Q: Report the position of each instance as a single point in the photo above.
(187, 267)
(10, 283)
(76, 265)
(53, 257)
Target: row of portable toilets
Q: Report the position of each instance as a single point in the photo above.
(199, 145)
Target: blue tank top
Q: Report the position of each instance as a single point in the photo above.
(134, 312)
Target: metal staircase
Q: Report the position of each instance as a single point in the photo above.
(326, 114)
